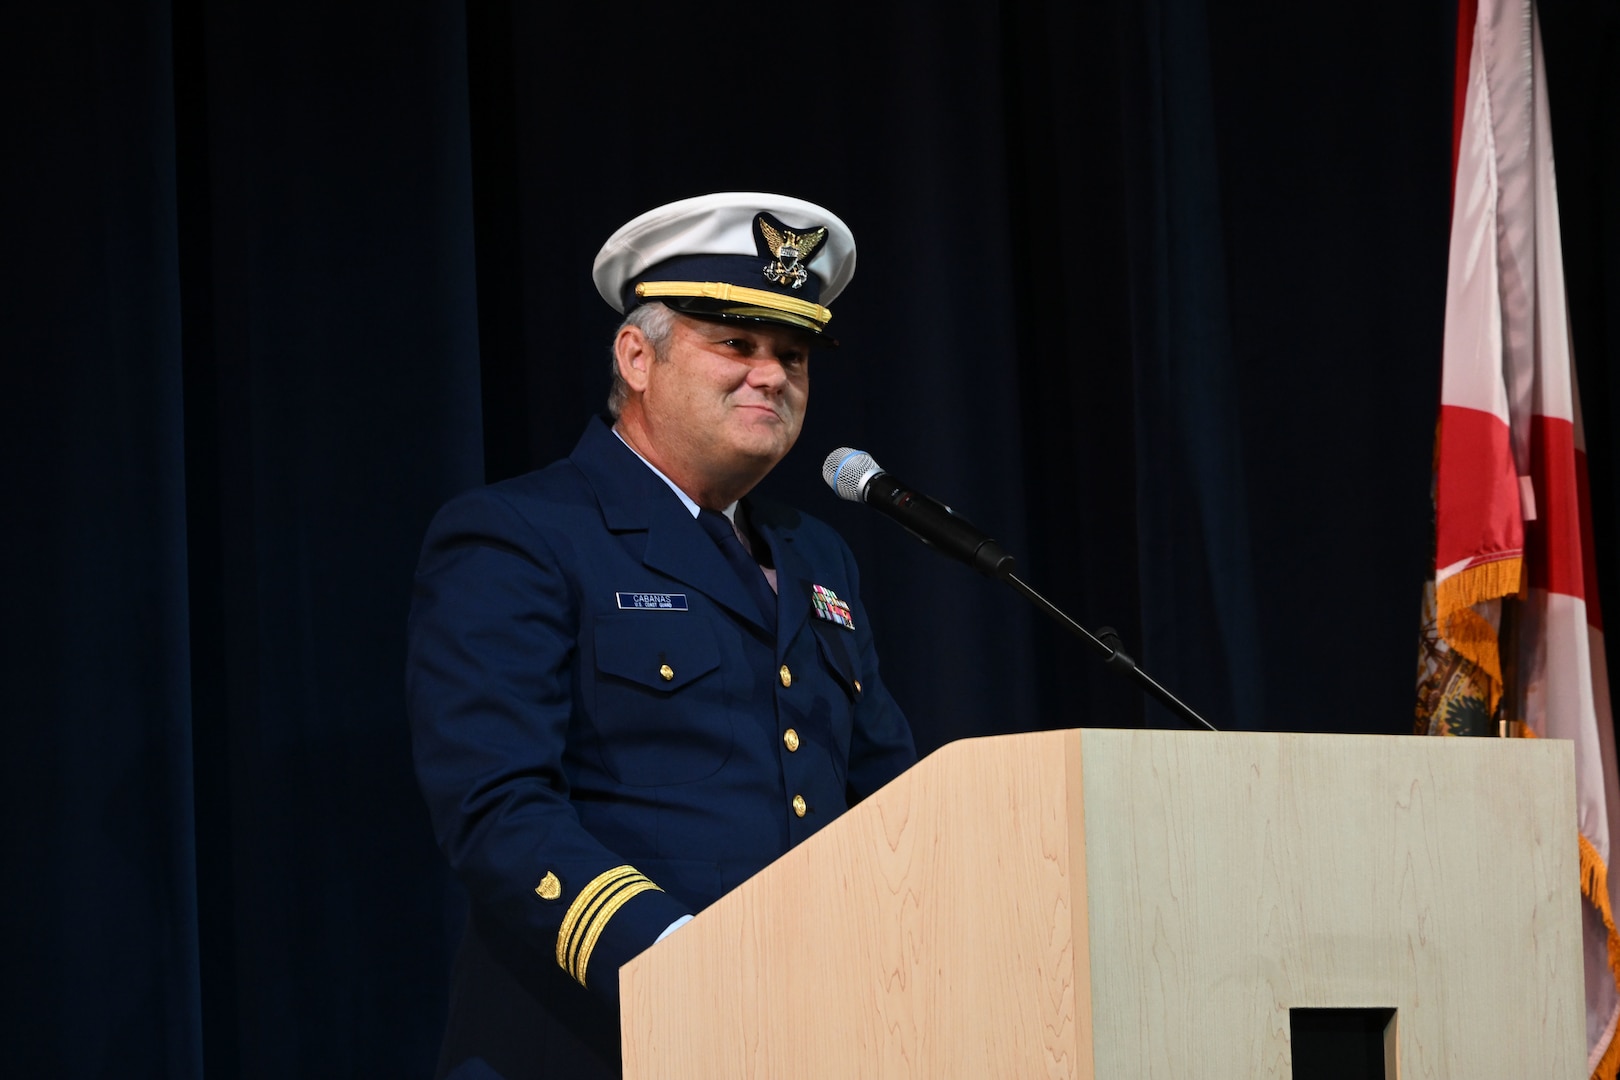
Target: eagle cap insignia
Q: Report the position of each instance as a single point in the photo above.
(790, 250)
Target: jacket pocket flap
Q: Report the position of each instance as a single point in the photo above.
(660, 654)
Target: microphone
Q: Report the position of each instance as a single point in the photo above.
(856, 477)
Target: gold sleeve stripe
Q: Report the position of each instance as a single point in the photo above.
(720, 290)
(587, 896)
(608, 904)
(611, 908)
(590, 913)
(577, 939)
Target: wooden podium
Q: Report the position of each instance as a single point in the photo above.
(1120, 904)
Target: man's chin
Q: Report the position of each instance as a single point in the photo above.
(762, 455)
(764, 430)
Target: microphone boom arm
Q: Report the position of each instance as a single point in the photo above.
(1116, 659)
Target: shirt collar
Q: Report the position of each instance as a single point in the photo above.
(686, 500)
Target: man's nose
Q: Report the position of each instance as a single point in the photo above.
(768, 373)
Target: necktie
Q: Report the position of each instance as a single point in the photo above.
(731, 546)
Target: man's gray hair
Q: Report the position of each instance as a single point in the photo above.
(657, 322)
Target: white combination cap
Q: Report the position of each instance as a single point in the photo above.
(734, 255)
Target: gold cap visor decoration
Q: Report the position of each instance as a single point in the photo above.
(718, 298)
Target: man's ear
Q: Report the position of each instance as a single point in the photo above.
(634, 355)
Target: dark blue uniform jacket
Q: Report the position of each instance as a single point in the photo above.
(609, 738)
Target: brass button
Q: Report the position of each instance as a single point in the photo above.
(799, 806)
(790, 739)
(857, 686)
(549, 888)
(667, 672)
(787, 676)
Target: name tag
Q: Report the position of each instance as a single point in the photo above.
(651, 601)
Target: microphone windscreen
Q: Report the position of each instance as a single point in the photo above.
(847, 471)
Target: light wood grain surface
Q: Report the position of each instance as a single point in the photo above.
(1120, 904)
(1250, 874)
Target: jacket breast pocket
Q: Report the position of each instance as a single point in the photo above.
(658, 707)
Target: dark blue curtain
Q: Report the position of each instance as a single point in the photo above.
(100, 815)
(1150, 290)
(241, 356)
(331, 359)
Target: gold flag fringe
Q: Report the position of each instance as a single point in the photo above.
(1477, 584)
(1609, 1065)
(1467, 632)
(1595, 887)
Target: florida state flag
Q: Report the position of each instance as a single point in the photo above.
(1513, 635)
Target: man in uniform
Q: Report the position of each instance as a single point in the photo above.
(630, 686)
